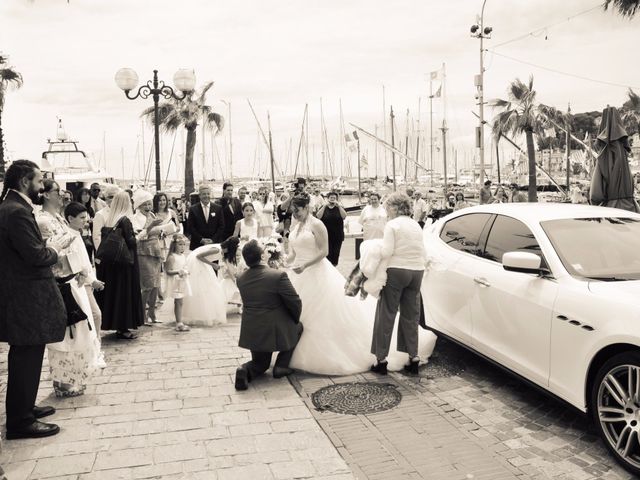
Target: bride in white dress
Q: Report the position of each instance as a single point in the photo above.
(337, 329)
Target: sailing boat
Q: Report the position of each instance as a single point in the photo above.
(69, 165)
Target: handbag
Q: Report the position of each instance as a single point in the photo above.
(114, 248)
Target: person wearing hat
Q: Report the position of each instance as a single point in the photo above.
(148, 230)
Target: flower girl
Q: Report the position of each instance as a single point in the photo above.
(178, 286)
(207, 305)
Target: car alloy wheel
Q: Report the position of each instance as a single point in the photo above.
(616, 408)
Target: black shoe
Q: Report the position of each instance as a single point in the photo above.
(380, 367)
(279, 372)
(242, 378)
(412, 368)
(41, 412)
(36, 430)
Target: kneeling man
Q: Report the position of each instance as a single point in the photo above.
(270, 317)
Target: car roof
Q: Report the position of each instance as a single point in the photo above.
(540, 212)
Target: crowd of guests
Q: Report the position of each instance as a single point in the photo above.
(106, 259)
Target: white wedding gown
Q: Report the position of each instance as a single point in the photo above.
(207, 304)
(337, 329)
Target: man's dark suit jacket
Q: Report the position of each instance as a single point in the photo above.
(199, 227)
(271, 311)
(232, 211)
(31, 307)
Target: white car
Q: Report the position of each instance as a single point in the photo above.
(551, 292)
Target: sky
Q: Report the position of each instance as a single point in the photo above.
(283, 54)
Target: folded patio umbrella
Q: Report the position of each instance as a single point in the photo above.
(612, 183)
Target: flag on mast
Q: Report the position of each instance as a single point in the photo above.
(436, 75)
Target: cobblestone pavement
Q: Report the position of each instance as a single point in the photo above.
(165, 407)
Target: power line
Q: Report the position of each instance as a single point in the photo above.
(542, 29)
(560, 72)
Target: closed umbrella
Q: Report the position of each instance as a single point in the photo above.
(612, 183)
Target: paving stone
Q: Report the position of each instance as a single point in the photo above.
(68, 465)
(123, 458)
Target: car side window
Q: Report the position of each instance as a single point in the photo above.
(463, 233)
(509, 235)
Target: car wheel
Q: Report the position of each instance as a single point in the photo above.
(615, 407)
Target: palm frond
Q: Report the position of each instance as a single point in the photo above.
(215, 119)
(626, 8)
(10, 77)
(203, 93)
(633, 102)
(517, 91)
(499, 103)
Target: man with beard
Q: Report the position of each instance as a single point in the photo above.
(32, 312)
(231, 210)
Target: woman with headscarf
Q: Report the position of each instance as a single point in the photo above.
(612, 183)
(121, 301)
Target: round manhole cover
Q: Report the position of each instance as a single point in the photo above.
(357, 398)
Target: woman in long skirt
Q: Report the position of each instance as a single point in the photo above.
(121, 301)
(73, 360)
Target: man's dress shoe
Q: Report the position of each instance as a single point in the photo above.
(41, 412)
(279, 372)
(242, 378)
(36, 430)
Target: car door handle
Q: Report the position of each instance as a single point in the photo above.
(482, 281)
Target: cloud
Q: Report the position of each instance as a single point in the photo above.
(284, 54)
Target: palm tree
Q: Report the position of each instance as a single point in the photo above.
(631, 113)
(186, 113)
(521, 114)
(9, 78)
(626, 8)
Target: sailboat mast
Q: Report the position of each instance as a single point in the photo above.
(406, 146)
(342, 140)
(418, 137)
(304, 118)
(384, 130)
(431, 129)
(273, 178)
(393, 154)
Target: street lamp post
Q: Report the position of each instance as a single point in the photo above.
(480, 31)
(184, 80)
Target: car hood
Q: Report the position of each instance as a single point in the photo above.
(623, 291)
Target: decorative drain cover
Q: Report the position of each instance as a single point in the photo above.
(357, 398)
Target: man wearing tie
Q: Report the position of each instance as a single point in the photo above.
(96, 202)
(231, 210)
(206, 222)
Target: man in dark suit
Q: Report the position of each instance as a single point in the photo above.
(32, 313)
(231, 209)
(206, 222)
(270, 317)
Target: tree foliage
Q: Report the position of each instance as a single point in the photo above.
(188, 113)
(626, 8)
(9, 78)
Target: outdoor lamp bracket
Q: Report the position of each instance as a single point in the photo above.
(155, 87)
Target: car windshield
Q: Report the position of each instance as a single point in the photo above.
(603, 248)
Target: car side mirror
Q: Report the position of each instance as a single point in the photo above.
(523, 262)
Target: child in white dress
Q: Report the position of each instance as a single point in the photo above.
(178, 286)
(207, 305)
(247, 228)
